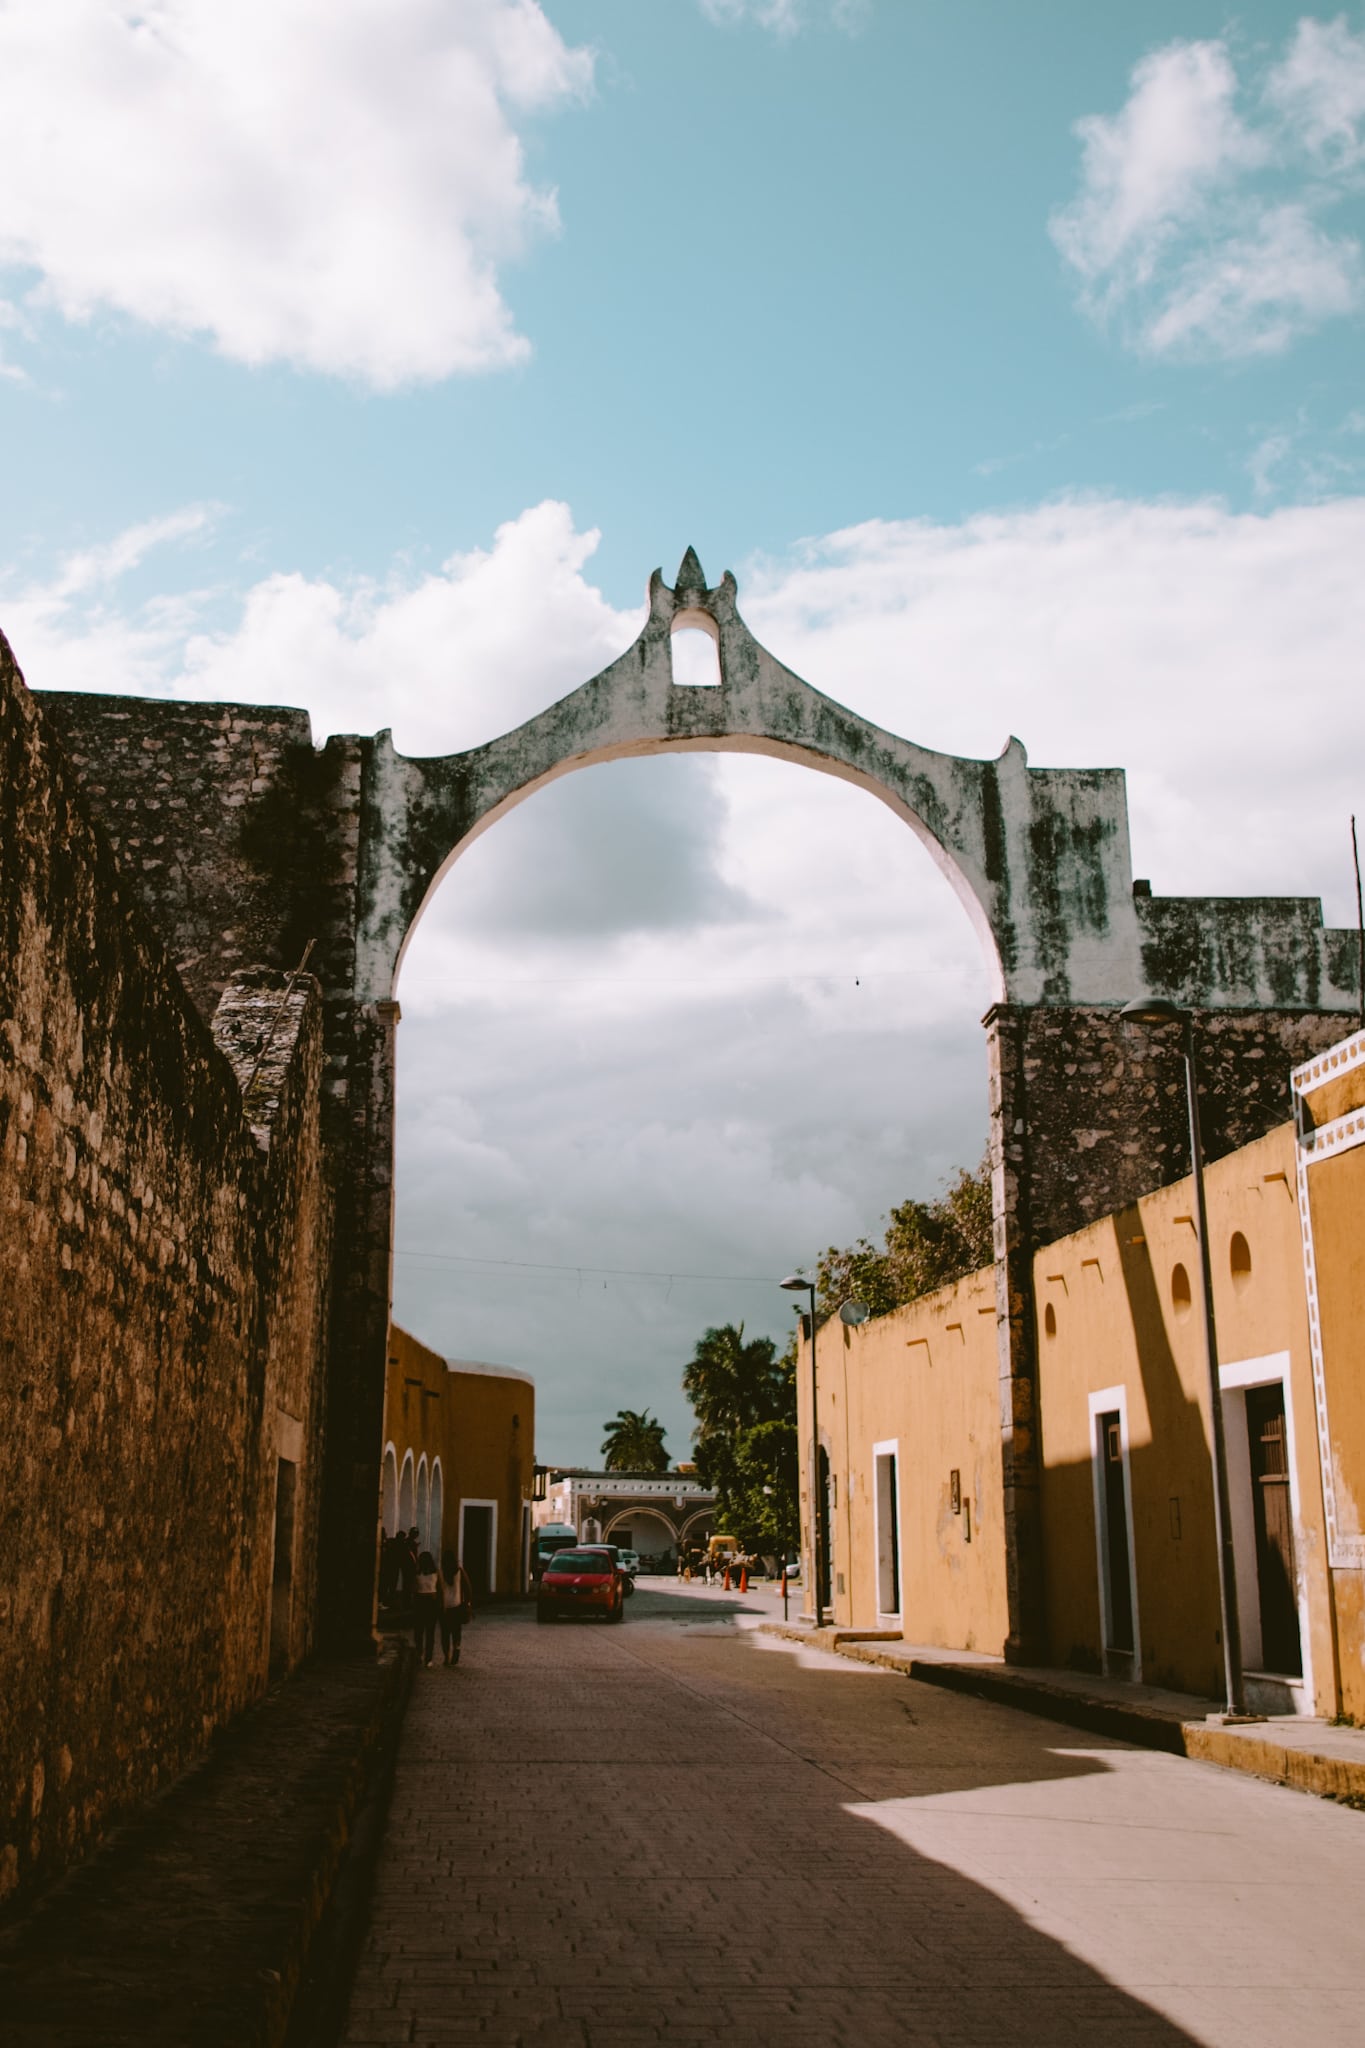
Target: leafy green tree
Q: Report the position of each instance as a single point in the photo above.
(634, 1442)
(761, 1506)
(927, 1245)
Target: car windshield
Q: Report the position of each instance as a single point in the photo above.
(583, 1561)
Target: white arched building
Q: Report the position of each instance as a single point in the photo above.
(655, 1513)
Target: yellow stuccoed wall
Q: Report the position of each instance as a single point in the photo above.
(479, 1423)
(925, 1378)
(1111, 1313)
(1113, 1320)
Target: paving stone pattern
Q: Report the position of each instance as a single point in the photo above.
(684, 1832)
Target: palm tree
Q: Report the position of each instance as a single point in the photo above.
(635, 1443)
(733, 1384)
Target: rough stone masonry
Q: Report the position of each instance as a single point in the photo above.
(208, 1286)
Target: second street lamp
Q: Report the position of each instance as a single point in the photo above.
(1157, 1010)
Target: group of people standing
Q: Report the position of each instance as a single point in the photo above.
(436, 1596)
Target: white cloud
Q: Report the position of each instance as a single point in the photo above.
(331, 187)
(708, 1014)
(1146, 171)
(1254, 294)
(1319, 89)
(1197, 228)
(786, 17)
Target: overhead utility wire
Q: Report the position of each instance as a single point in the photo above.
(610, 1272)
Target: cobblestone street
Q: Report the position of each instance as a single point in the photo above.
(686, 1832)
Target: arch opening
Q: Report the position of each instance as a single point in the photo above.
(436, 1510)
(681, 1017)
(407, 1498)
(694, 650)
(388, 1492)
(968, 890)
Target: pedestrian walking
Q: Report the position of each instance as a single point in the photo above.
(457, 1604)
(426, 1607)
(407, 1569)
(388, 1569)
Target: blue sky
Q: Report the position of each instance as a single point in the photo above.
(370, 358)
(800, 280)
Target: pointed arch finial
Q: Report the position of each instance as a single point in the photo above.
(690, 580)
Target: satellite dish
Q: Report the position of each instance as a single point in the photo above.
(854, 1312)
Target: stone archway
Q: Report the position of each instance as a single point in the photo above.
(342, 846)
(1039, 858)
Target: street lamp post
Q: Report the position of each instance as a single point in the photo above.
(852, 1312)
(797, 1283)
(1157, 1010)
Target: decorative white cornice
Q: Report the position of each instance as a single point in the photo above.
(1325, 1066)
(1340, 1135)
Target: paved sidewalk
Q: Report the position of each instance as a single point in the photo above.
(200, 1922)
(1299, 1750)
(686, 1831)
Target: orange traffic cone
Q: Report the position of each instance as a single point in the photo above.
(725, 1582)
(744, 1578)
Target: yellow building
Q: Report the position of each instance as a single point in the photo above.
(909, 1412)
(909, 1427)
(459, 1461)
(1130, 1562)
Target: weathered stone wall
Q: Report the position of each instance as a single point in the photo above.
(162, 1307)
(237, 835)
(241, 842)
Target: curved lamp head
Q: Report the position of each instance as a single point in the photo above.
(853, 1313)
(1152, 1010)
(796, 1283)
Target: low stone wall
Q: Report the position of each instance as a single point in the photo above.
(162, 1315)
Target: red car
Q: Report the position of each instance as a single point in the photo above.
(581, 1582)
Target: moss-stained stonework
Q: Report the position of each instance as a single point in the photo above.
(165, 1270)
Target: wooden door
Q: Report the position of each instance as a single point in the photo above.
(1276, 1577)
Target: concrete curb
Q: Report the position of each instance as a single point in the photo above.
(1329, 1777)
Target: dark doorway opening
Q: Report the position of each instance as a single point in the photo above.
(1118, 1586)
(282, 1575)
(826, 1529)
(476, 1547)
(1281, 1649)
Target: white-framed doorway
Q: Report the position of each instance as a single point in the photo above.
(1264, 1662)
(1111, 1478)
(886, 1529)
(479, 1545)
